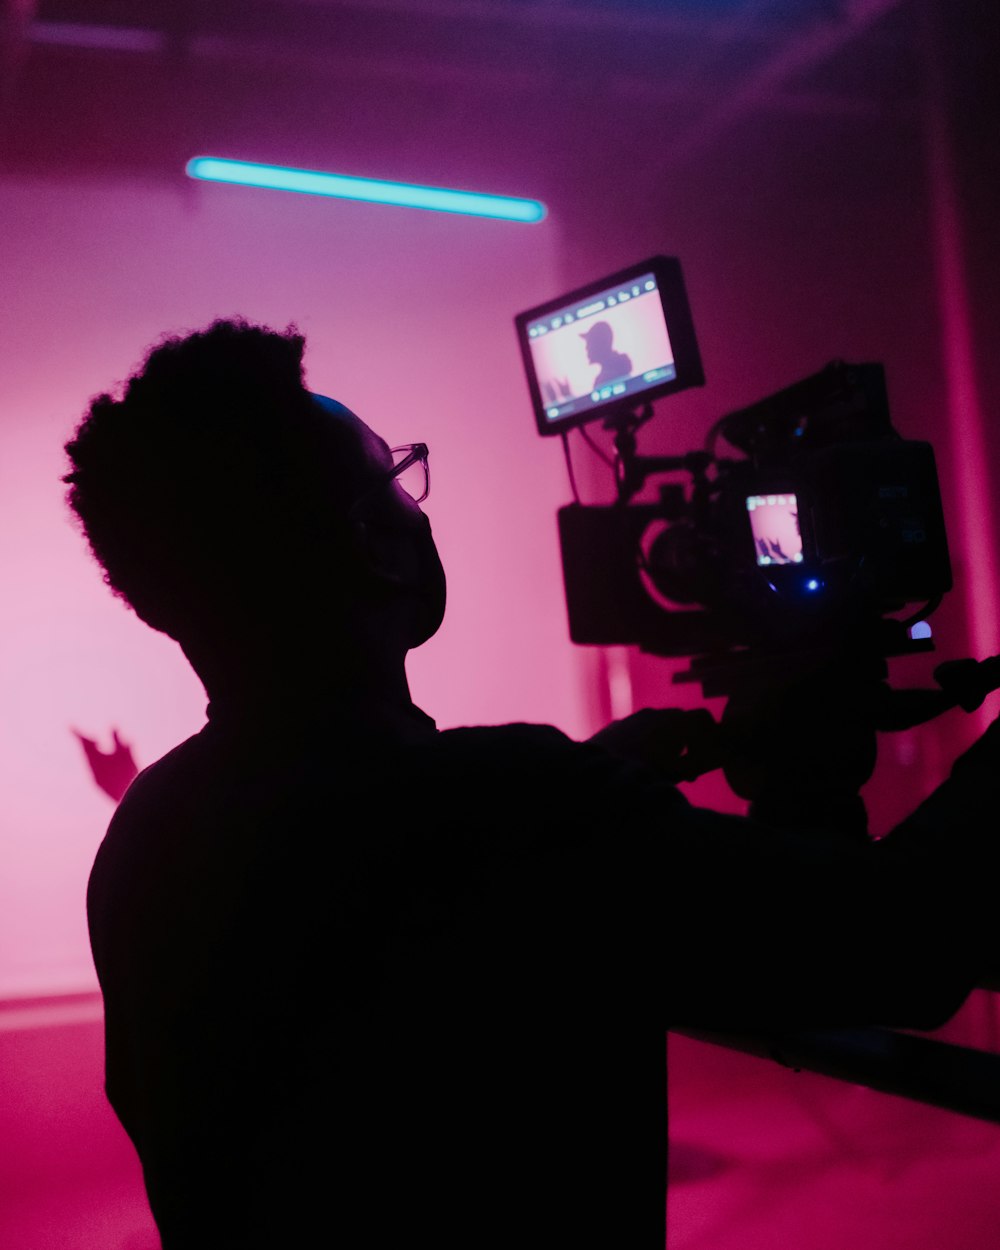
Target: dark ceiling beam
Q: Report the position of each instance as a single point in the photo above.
(615, 16)
(798, 102)
(15, 21)
(97, 37)
(803, 51)
(694, 89)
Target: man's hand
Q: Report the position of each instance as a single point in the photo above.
(114, 770)
(678, 745)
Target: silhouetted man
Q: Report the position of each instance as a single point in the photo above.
(614, 365)
(367, 983)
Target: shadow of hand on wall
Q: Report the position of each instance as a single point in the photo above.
(114, 770)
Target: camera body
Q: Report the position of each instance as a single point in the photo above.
(829, 519)
(828, 522)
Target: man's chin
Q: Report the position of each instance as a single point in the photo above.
(427, 621)
(429, 607)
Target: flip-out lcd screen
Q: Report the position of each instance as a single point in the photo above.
(620, 341)
(774, 523)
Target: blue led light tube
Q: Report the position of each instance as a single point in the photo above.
(371, 190)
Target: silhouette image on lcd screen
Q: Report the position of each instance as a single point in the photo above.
(600, 340)
(774, 522)
(578, 353)
(557, 390)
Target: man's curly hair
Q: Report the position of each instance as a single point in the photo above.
(211, 477)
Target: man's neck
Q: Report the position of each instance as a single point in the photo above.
(301, 681)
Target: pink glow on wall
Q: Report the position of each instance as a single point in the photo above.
(972, 484)
(408, 321)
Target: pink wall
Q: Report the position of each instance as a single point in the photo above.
(803, 235)
(408, 321)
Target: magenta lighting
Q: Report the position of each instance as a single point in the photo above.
(371, 190)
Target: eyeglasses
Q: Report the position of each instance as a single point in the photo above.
(409, 469)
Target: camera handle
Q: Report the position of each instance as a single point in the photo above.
(798, 740)
(632, 470)
(800, 747)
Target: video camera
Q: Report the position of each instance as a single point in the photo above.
(827, 524)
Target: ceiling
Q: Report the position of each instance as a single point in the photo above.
(697, 68)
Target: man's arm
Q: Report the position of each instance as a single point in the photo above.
(777, 927)
(673, 743)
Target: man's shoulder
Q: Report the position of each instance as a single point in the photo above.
(178, 775)
(515, 738)
(148, 800)
(536, 747)
(541, 778)
(531, 752)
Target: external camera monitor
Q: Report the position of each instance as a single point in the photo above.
(609, 346)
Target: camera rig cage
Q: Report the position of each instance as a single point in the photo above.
(827, 521)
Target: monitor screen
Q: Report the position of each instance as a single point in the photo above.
(609, 346)
(774, 523)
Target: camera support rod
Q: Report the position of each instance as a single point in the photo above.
(797, 737)
(632, 470)
(940, 1074)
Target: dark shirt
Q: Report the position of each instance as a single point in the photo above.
(397, 985)
(616, 365)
